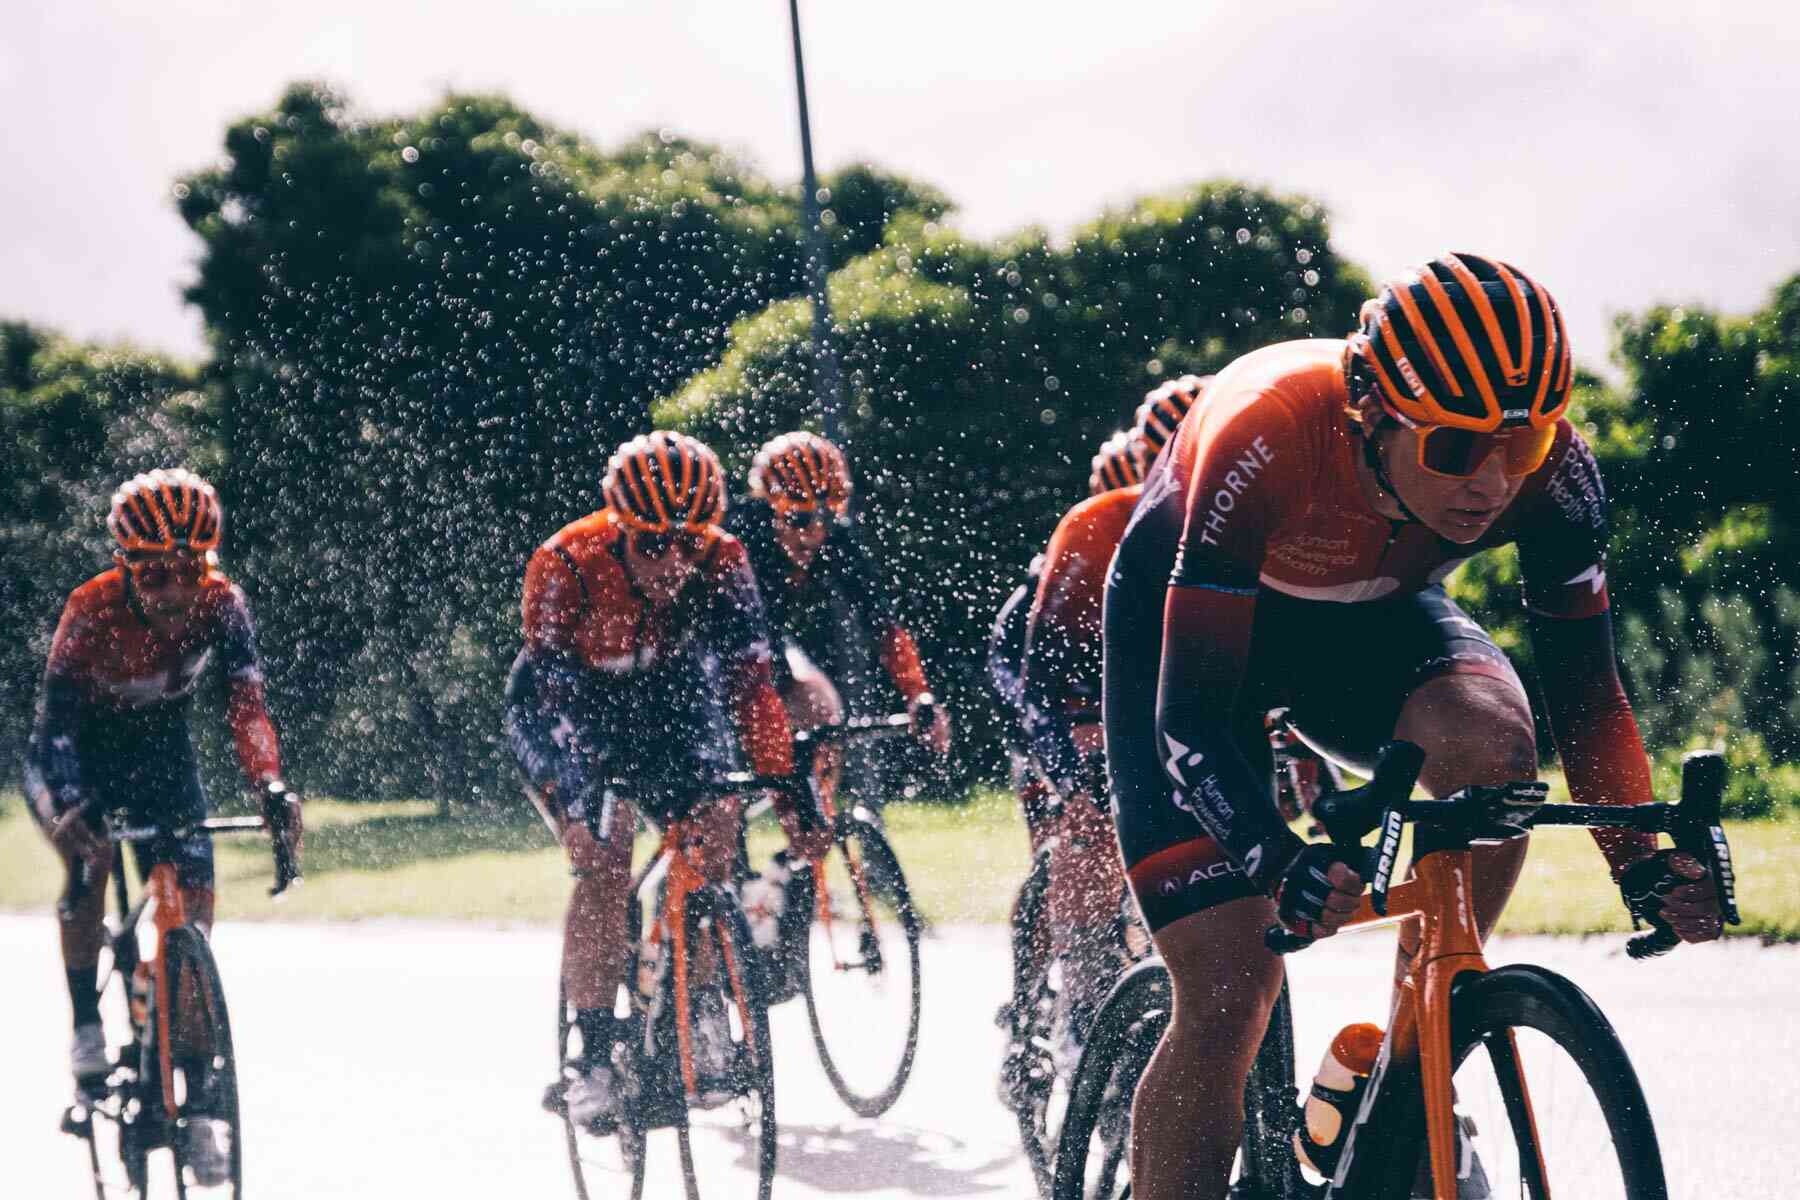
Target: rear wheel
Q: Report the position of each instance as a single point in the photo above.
(733, 1116)
(204, 1068)
(861, 966)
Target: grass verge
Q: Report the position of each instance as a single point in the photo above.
(399, 860)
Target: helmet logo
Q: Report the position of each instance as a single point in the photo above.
(1411, 376)
(1515, 414)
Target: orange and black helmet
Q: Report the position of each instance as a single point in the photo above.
(1468, 342)
(1159, 416)
(1119, 464)
(166, 510)
(801, 469)
(665, 480)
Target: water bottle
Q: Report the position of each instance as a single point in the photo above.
(1337, 1092)
(764, 898)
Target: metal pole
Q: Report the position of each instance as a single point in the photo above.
(828, 380)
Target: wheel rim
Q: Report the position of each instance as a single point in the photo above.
(862, 975)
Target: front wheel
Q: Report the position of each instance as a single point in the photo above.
(731, 1115)
(209, 1158)
(860, 962)
(1546, 1099)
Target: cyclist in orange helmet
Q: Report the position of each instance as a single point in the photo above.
(814, 566)
(646, 656)
(1060, 697)
(1289, 549)
(1119, 464)
(111, 733)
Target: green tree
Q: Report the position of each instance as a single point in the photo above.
(429, 332)
(980, 379)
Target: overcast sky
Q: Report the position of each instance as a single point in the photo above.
(1622, 152)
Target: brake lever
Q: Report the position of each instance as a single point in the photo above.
(1387, 853)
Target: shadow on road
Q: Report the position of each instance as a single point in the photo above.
(864, 1156)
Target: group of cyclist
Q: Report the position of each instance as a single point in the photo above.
(1276, 535)
(664, 641)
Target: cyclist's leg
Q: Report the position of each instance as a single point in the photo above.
(1208, 925)
(813, 701)
(1086, 878)
(1427, 673)
(82, 932)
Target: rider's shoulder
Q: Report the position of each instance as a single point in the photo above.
(1096, 522)
(585, 537)
(218, 594)
(728, 553)
(104, 592)
(1286, 388)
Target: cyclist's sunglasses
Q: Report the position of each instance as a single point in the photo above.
(159, 572)
(1451, 453)
(690, 542)
(801, 518)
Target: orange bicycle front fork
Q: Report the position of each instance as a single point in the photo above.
(170, 913)
(1437, 897)
(686, 878)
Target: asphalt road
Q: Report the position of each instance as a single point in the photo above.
(390, 1059)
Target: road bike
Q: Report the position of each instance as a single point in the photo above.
(1488, 1082)
(691, 952)
(177, 1064)
(847, 939)
(1036, 1071)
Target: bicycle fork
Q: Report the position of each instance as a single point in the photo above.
(1420, 1032)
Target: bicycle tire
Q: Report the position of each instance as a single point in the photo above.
(1519, 997)
(631, 1136)
(187, 955)
(714, 915)
(878, 859)
(1124, 1034)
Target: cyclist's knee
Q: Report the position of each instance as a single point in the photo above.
(812, 701)
(1475, 729)
(1225, 983)
(595, 862)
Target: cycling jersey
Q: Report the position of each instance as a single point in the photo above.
(1063, 643)
(804, 603)
(1257, 504)
(596, 642)
(113, 681)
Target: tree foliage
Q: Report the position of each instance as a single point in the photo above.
(980, 379)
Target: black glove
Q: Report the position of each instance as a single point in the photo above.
(1646, 886)
(1306, 884)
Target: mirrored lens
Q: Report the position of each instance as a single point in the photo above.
(1459, 453)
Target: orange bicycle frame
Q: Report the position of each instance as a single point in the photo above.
(684, 879)
(169, 912)
(1438, 899)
